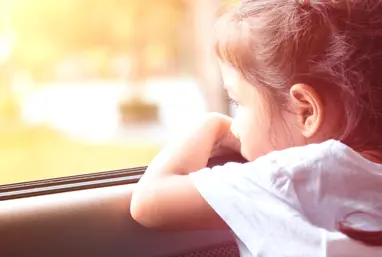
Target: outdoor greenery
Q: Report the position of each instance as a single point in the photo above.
(46, 32)
(40, 153)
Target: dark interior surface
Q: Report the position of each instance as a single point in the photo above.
(91, 222)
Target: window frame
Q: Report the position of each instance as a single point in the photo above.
(71, 183)
(91, 180)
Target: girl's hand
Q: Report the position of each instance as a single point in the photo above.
(211, 137)
(226, 142)
(216, 128)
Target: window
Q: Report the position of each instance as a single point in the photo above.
(96, 85)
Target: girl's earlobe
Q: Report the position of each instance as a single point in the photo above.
(310, 126)
(308, 108)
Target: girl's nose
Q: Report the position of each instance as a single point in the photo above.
(234, 129)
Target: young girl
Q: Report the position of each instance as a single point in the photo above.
(306, 77)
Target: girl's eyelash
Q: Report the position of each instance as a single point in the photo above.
(231, 101)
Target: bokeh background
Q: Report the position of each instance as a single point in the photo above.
(97, 85)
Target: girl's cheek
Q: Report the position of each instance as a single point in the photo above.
(234, 128)
(241, 125)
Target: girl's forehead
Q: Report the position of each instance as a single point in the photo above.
(225, 67)
(233, 81)
(230, 76)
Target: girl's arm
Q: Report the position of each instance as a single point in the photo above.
(165, 196)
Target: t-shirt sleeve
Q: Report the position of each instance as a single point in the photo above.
(257, 202)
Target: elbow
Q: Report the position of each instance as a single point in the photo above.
(141, 211)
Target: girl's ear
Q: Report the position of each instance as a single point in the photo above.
(308, 107)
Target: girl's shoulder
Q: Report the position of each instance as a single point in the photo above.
(330, 158)
(306, 153)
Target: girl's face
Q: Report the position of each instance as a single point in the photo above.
(259, 130)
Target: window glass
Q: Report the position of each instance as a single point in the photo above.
(96, 85)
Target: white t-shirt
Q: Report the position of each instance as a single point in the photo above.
(288, 202)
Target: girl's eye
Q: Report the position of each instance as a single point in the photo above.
(233, 102)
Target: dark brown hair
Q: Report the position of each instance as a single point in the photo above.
(335, 46)
(372, 238)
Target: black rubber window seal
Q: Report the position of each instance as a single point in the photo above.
(89, 181)
(71, 183)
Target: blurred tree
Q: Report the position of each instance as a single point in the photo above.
(48, 30)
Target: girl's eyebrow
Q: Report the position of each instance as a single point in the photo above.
(230, 91)
(227, 86)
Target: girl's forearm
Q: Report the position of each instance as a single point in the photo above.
(158, 199)
(186, 156)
